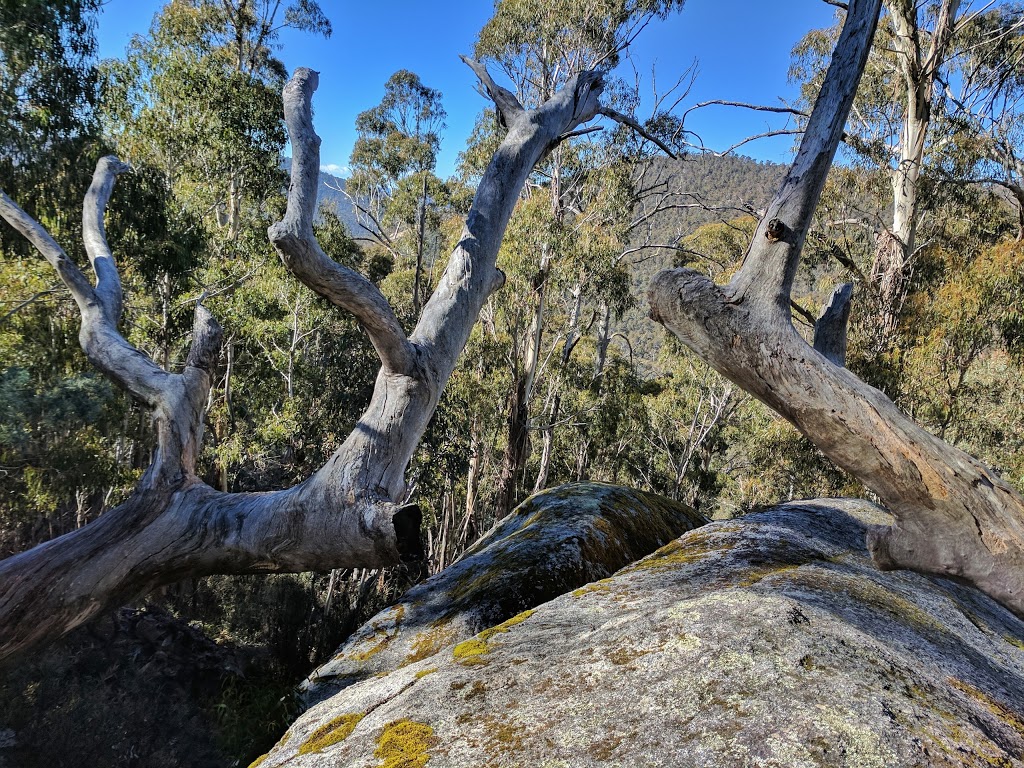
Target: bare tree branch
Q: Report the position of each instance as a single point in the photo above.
(94, 235)
(352, 512)
(509, 108)
(766, 277)
(294, 239)
(619, 117)
(830, 328)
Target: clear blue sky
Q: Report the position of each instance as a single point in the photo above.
(742, 50)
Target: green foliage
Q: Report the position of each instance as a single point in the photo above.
(557, 39)
(400, 202)
(47, 79)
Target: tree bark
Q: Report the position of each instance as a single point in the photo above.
(892, 268)
(349, 513)
(954, 516)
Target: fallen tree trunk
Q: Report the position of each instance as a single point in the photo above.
(348, 514)
(953, 516)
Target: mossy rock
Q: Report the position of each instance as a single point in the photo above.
(554, 542)
(770, 642)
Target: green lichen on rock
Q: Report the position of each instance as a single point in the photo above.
(1008, 717)
(427, 642)
(506, 625)
(554, 542)
(259, 761)
(404, 744)
(604, 585)
(472, 651)
(771, 642)
(330, 733)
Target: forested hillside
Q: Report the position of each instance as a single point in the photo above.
(335, 381)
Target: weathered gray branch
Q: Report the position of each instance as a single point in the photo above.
(954, 516)
(619, 117)
(505, 101)
(766, 277)
(108, 281)
(348, 514)
(830, 328)
(293, 236)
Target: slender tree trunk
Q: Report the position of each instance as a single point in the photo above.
(472, 476)
(604, 337)
(548, 433)
(421, 219)
(517, 450)
(920, 62)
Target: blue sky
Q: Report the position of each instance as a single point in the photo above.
(742, 50)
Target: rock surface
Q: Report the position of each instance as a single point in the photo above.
(770, 641)
(552, 543)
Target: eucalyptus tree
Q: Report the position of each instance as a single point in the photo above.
(198, 98)
(47, 84)
(392, 184)
(540, 46)
(939, 100)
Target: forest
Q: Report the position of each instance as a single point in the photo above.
(246, 405)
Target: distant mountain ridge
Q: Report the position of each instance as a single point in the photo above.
(729, 186)
(330, 193)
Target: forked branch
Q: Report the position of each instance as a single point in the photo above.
(350, 513)
(294, 239)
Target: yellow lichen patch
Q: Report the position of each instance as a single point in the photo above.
(1013, 719)
(689, 549)
(1014, 642)
(870, 593)
(384, 631)
(404, 744)
(424, 672)
(604, 585)
(754, 575)
(503, 738)
(506, 625)
(469, 652)
(431, 640)
(472, 651)
(259, 761)
(330, 733)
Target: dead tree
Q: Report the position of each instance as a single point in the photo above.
(350, 513)
(953, 516)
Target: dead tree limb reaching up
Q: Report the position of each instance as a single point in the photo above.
(953, 516)
(350, 513)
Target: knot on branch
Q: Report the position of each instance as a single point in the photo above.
(206, 340)
(776, 230)
(110, 164)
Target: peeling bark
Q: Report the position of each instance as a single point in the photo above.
(892, 268)
(953, 516)
(350, 512)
